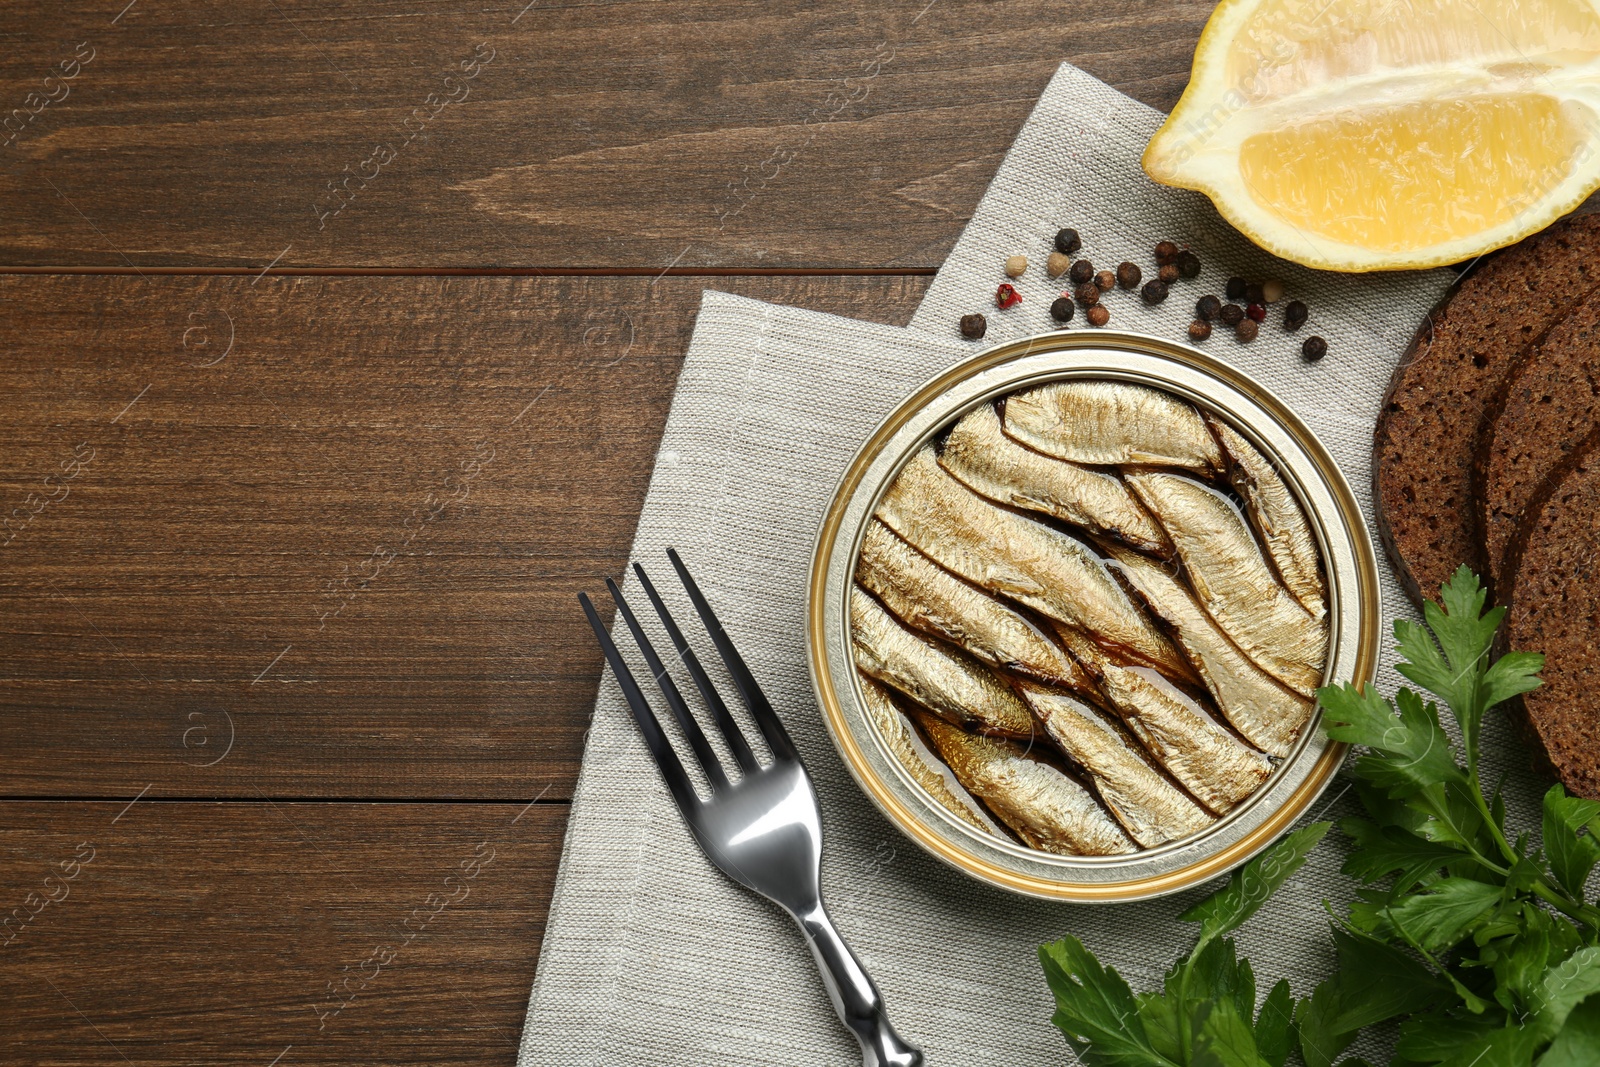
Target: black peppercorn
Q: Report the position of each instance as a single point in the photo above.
(1253, 293)
(1168, 273)
(1128, 275)
(1295, 315)
(1314, 349)
(1098, 316)
(1208, 307)
(1106, 280)
(1199, 330)
(1235, 289)
(1061, 309)
(1081, 272)
(1154, 291)
(1188, 264)
(1067, 242)
(1231, 314)
(1088, 294)
(1247, 330)
(974, 326)
(1166, 252)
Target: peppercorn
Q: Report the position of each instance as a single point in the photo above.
(1006, 296)
(974, 326)
(1207, 307)
(1247, 330)
(1256, 312)
(1098, 315)
(1154, 291)
(1235, 287)
(1067, 242)
(1016, 266)
(1081, 271)
(1088, 294)
(1168, 273)
(1295, 315)
(1188, 264)
(1166, 252)
(1128, 275)
(1314, 349)
(1231, 314)
(1061, 309)
(1106, 280)
(1252, 293)
(1271, 291)
(1199, 330)
(1057, 264)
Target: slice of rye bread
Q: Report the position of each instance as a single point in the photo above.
(1541, 422)
(1433, 417)
(1557, 612)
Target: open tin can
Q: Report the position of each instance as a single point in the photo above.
(1267, 423)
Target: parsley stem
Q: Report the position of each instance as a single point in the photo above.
(1184, 1019)
(1476, 788)
(1440, 812)
(1575, 910)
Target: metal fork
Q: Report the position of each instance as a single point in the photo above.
(764, 831)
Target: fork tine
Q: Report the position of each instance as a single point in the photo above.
(666, 759)
(680, 711)
(708, 692)
(772, 727)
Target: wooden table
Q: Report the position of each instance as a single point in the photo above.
(337, 340)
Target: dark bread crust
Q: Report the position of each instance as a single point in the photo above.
(1557, 610)
(1543, 421)
(1436, 412)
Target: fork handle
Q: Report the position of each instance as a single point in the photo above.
(854, 996)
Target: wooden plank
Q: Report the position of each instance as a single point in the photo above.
(260, 933)
(338, 558)
(702, 133)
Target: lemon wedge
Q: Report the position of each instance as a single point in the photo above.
(1386, 134)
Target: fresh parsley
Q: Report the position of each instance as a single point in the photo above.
(1205, 1014)
(1482, 947)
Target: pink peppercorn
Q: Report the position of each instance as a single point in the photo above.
(1006, 296)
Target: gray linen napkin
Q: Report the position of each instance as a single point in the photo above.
(653, 957)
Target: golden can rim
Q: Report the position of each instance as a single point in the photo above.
(1358, 650)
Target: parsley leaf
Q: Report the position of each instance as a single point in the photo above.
(1436, 1037)
(1095, 1008)
(1275, 1025)
(1509, 1046)
(1408, 753)
(1437, 919)
(1251, 885)
(1386, 850)
(1225, 1038)
(1572, 854)
(1578, 1043)
(1565, 986)
(1202, 1016)
(1375, 981)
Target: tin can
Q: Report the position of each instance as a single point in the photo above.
(1306, 467)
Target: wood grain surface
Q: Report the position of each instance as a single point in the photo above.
(178, 933)
(728, 133)
(289, 549)
(341, 558)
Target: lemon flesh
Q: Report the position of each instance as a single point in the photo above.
(1386, 134)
